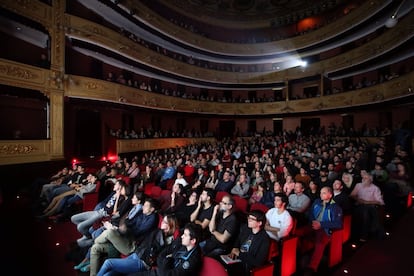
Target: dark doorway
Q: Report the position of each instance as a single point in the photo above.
(88, 139)
(348, 122)
(181, 125)
(251, 127)
(227, 128)
(127, 122)
(204, 126)
(309, 126)
(278, 126)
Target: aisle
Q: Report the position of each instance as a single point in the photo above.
(392, 256)
(30, 246)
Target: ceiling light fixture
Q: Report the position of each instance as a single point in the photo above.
(393, 20)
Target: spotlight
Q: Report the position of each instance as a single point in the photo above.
(303, 63)
(346, 271)
(391, 22)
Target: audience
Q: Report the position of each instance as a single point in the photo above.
(341, 174)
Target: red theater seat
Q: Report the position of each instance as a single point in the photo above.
(212, 267)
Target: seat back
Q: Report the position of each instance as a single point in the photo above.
(241, 204)
(335, 248)
(91, 199)
(409, 199)
(288, 249)
(259, 206)
(156, 192)
(220, 195)
(148, 188)
(346, 228)
(212, 267)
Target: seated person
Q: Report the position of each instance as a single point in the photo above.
(204, 211)
(251, 246)
(299, 204)
(268, 198)
(125, 237)
(325, 216)
(279, 223)
(258, 194)
(241, 188)
(145, 255)
(367, 197)
(137, 201)
(59, 202)
(184, 211)
(341, 198)
(225, 184)
(103, 209)
(171, 201)
(182, 257)
(223, 227)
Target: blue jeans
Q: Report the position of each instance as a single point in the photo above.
(85, 220)
(115, 266)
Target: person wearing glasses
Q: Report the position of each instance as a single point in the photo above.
(251, 246)
(223, 227)
(182, 257)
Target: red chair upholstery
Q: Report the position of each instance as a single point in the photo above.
(126, 179)
(91, 199)
(409, 199)
(212, 267)
(285, 249)
(346, 228)
(220, 195)
(259, 206)
(156, 192)
(335, 248)
(148, 188)
(170, 183)
(288, 255)
(241, 204)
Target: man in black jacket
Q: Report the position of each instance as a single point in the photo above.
(183, 257)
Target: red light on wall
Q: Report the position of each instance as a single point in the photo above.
(74, 161)
(112, 158)
(103, 158)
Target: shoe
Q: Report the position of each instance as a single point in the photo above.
(85, 268)
(79, 266)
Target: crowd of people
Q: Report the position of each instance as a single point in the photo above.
(307, 182)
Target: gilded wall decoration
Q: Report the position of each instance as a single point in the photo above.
(17, 72)
(17, 149)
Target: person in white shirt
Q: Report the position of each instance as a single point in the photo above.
(279, 223)
(180, 179)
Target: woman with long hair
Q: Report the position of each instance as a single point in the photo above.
(145, 255)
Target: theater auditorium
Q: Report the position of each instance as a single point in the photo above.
(206, 137)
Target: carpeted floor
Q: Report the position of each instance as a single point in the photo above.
(38, 247)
